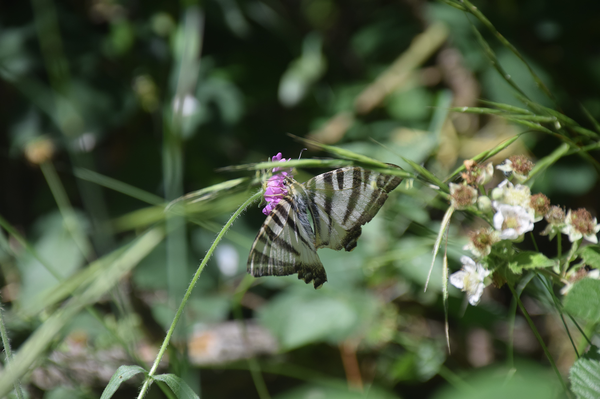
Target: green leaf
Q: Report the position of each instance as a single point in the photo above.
(530, 260)
(301, 317)
(122, 374)
(178, 386)
(524, 381)
(583, 299)
(585, 374)
(59, 251)
(591, 255)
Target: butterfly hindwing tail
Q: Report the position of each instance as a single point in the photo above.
(340, 203)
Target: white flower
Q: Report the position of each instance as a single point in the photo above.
(508, 193)
(518, 165)
(481, 242)
(476, 174)
(462, 196)
(580, 224)
(470, 279)
(556, 222)
(512, 221)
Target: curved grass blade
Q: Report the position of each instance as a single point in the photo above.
(177, 385)
(38, 342)
(117, 185)
(122, 374)
(549, 160)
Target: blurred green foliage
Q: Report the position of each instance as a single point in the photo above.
(112, 109)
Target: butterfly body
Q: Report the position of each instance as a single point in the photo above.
(338, 203)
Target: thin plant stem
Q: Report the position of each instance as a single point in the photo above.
(562, 316)
(539, 338)
(455, 380)
(558, 246)
(188, 293)
(510, 359)
(534, 242)
(8, 351)
(253, 365)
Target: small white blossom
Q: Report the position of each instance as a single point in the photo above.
(512, 221)
(476, 174)
(556, 222)
(508, 193)
(580, 224)
(470, 279)
(518, 165)
(462, 196)
(481, 242)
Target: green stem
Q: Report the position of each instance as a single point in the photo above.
(165, 343)
(558, 306)
(8, 352)
(253, 365)
(539, 338)
(559, 245)
(534, 243)
(511, 336)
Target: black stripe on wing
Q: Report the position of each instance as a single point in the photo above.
(285, 245)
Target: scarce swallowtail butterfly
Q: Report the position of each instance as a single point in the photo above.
(338, 203)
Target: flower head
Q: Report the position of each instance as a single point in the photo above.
(470, 279)
(580, 224)
(477, 175)
(275, 188)
(512, 221)
(519, 165)
(556, 221)
(540, 205)
(462, 196)
(508, 193)
(481, 242)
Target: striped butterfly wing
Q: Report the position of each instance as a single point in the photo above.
(285, 245)
(343, 200)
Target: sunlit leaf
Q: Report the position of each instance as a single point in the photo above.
(585, 375)
(591, 255)
(300, 317)
(530, 260)
(525, 381)
(122, 374)
(178, 386)
(583, 299)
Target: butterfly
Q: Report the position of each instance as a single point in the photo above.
(338, 204)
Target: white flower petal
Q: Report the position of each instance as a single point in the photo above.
(475, 296)
(458, 279)
(591, 238)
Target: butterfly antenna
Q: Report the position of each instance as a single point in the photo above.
(301, 151)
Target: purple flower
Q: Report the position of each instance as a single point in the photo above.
(275, 187)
